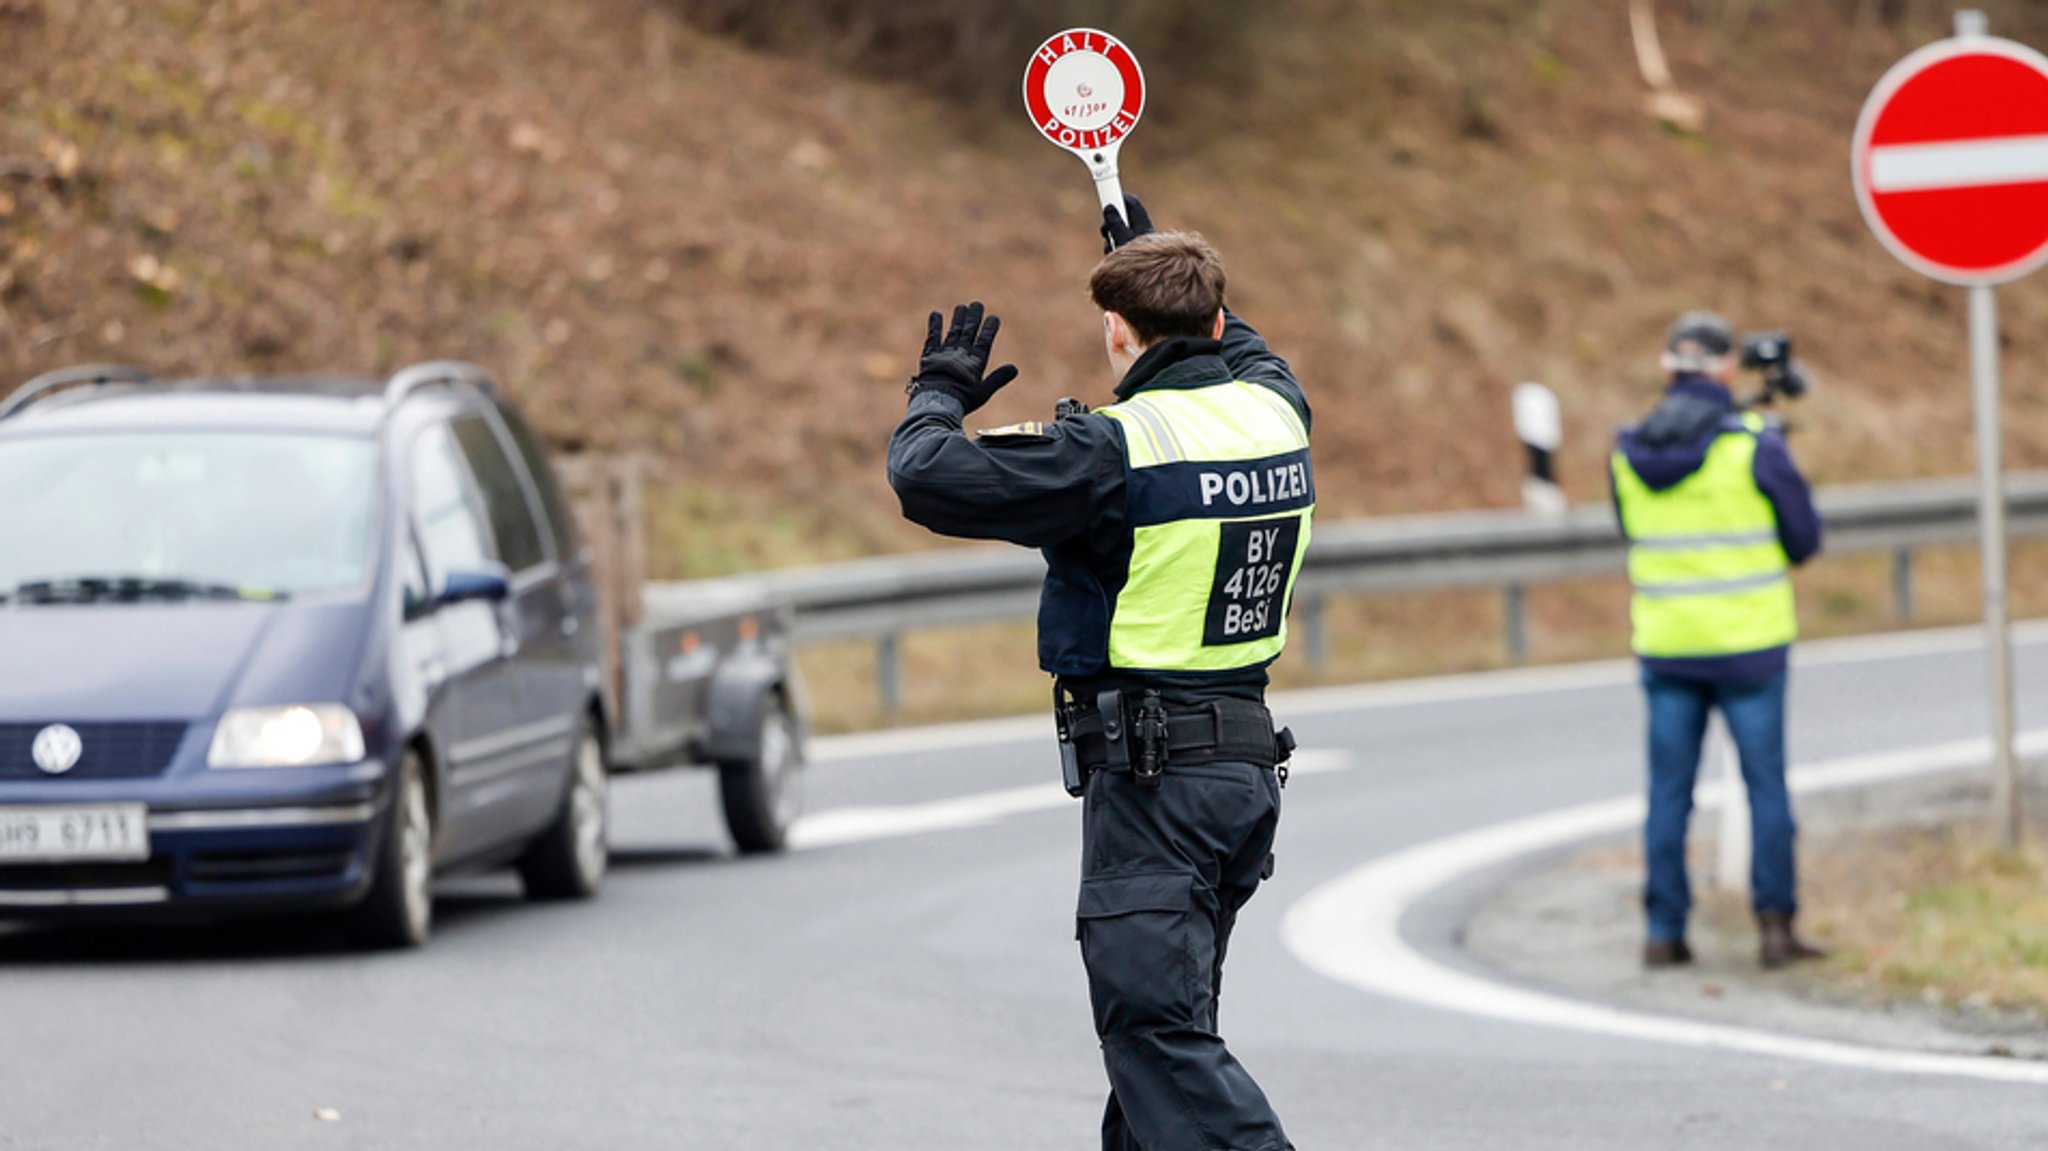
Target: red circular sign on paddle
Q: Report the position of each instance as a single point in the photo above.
(1084, 90)
(1951, 160)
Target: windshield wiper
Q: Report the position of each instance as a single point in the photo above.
(129, 589)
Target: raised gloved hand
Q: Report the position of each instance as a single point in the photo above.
(1120, 230)
(955, 362)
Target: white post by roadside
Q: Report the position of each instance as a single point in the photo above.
(1732, 846)
(1539, 424)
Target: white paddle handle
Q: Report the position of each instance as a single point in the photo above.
(1109, 186)
(1110, 190)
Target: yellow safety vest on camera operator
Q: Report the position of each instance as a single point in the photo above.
(1710, 575)
(1220, 496)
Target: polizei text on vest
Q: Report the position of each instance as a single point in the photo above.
(1251, 486)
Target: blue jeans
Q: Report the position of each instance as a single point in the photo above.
(1755, 714)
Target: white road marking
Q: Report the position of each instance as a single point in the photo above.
(944, 737)
(861, 824)
(1959, 164)
(882, 745)
(842, 825)
(1349, 929)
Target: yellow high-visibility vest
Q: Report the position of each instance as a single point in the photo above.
(1220, 499)
(1709, 575)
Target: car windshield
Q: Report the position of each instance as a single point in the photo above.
(184, 514)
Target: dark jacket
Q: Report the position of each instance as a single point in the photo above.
(1060, 487)
(1671, 444)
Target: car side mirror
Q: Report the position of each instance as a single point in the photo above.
(491, 584)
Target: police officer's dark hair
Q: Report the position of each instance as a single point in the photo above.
(1165, 284)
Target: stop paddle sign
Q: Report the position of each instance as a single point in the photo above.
(1951, 160)
(1085, 92)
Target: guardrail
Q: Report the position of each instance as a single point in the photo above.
(883, 598)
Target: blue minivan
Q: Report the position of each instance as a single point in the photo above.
(290, 645)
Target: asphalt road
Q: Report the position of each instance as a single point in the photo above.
(910, 981)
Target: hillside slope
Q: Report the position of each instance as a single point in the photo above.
(667, 241)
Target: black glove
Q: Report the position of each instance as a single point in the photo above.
(954, 364)
(1120, 230)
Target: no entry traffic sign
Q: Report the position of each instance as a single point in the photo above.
(1085, 92)
(1951, 160)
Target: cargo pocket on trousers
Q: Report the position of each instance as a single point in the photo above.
(1140, 938)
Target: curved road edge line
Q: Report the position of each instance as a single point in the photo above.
(1349, 928)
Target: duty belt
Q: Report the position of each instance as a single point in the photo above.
(1136, 732)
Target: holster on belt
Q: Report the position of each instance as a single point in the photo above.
(1152, 735)
(1109, 733)
(1137, 732)
(1115, 733)
(1071, 776)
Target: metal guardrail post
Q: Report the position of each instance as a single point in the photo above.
(1314, 639)
(1902, 584)
(889, 671)
(1515, 620)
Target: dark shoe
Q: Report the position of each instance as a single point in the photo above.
(1780, 944)
(1659, 953)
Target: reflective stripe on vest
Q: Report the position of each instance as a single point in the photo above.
(1709, 574)
(1220, 498)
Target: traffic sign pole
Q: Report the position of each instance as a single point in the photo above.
(1951, 170)
(1991, 533)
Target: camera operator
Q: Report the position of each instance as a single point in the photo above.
(1716, 516)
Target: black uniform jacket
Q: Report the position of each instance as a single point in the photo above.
(1060, 487)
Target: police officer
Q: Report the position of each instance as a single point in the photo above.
(1173, 524)
(1716, 515)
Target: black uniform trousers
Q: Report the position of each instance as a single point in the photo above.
(1163, 873)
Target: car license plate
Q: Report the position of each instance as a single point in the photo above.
(47, 834)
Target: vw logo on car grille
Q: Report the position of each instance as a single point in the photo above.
(56, 749)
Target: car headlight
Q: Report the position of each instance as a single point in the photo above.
(294, 736)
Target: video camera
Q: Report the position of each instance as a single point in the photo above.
(1771, 354)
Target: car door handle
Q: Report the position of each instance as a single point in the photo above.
(571, 625)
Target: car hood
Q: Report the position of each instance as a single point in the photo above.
(99, 662)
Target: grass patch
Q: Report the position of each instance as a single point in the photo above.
(1937, 915)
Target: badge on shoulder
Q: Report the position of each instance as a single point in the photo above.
(1028, 432)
